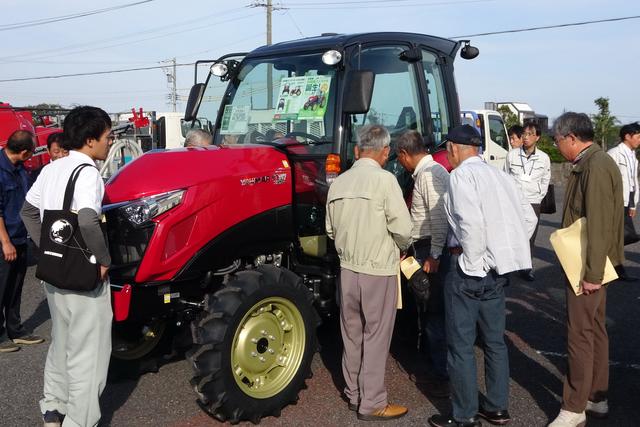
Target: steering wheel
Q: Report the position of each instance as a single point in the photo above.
(308, 136)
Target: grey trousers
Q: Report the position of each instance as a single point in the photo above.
(367, 315)
(75, 372)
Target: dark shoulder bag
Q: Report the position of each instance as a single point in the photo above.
(548, 204)
(65, 261)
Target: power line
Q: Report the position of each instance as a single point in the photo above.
(346, 5)
(295, 24)
(92, 73)
(547, 27)
(186, 64)
(131, 38)
(43, 21)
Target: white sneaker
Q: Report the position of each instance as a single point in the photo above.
(569, 419)
(598, 409)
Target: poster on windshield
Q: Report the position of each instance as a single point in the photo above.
(302, 98)
(235, 119)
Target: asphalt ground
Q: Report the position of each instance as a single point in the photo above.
(535, 336)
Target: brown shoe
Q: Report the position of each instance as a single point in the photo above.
(8, 347)
(28, 339)
(389, 412)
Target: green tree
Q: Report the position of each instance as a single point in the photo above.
(509, 117)
(604, 124)
(545, 143)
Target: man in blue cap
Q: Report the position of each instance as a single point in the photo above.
(490, 225)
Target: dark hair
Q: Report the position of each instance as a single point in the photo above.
(55, 138)
(578, 124)
(516, 130)
(532, 124)
(82, 124)
(20, 141)
(630, 129)
(412, 143)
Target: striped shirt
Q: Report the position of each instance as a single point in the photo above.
(427, 206)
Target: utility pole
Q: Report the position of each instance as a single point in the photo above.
(174, 91)
(270, 8)
(269, 66)
(171, 80)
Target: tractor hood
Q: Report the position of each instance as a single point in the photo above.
(161, 171)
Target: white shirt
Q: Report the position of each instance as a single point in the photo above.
(627, 162)
(427, 203)
(47, 193)
(490, 218)
(532, 174)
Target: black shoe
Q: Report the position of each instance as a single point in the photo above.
(498, 418)
(448, 421)
(53, 419)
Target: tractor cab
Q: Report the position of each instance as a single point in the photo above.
(309, 97)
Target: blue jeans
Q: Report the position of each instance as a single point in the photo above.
(471, 304)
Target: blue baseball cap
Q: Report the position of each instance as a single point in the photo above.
(465, 135)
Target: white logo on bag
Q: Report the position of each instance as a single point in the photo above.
(61, 231)
(53, 254)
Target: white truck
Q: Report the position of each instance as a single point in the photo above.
(495, 142)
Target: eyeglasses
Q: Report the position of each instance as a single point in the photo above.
(558, 139)
(528, 134)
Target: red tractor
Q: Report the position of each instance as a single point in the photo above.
(13, 119)
(231, 239)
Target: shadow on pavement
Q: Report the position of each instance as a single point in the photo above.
(124, 376)
(40, 315)
(535, 326)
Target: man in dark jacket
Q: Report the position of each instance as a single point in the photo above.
(13, 236)
(594, 191)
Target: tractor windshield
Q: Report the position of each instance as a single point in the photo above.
(271, 98)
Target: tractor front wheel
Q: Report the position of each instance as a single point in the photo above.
(254, 345)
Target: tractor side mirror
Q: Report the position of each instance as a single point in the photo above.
(358, 91)
(468, 51)
(193, 104)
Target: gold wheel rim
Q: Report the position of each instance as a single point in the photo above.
(268, 347)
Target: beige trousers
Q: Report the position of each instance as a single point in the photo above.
(367, 316)
(75, 372)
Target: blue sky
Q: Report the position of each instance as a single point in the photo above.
(552, 70)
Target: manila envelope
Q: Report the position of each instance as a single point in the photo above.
(570, 245)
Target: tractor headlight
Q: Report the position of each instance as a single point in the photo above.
(331, 57)
(219, 69)
(146, 209)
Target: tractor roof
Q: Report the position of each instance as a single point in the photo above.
(339, 41)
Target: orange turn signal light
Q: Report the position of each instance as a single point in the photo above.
(332, 164)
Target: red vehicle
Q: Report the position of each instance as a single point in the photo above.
(13, 119)
(231, 239)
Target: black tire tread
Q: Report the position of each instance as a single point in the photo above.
(209, 334)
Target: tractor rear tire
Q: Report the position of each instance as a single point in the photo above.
(254, 345)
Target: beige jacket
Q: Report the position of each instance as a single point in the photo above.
(368, 219)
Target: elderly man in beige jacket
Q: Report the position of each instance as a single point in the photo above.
(370, 223)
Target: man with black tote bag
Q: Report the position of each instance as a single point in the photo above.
(76, 368)
(624, 155)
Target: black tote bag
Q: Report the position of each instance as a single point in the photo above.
(65, 261)
(548, 204)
